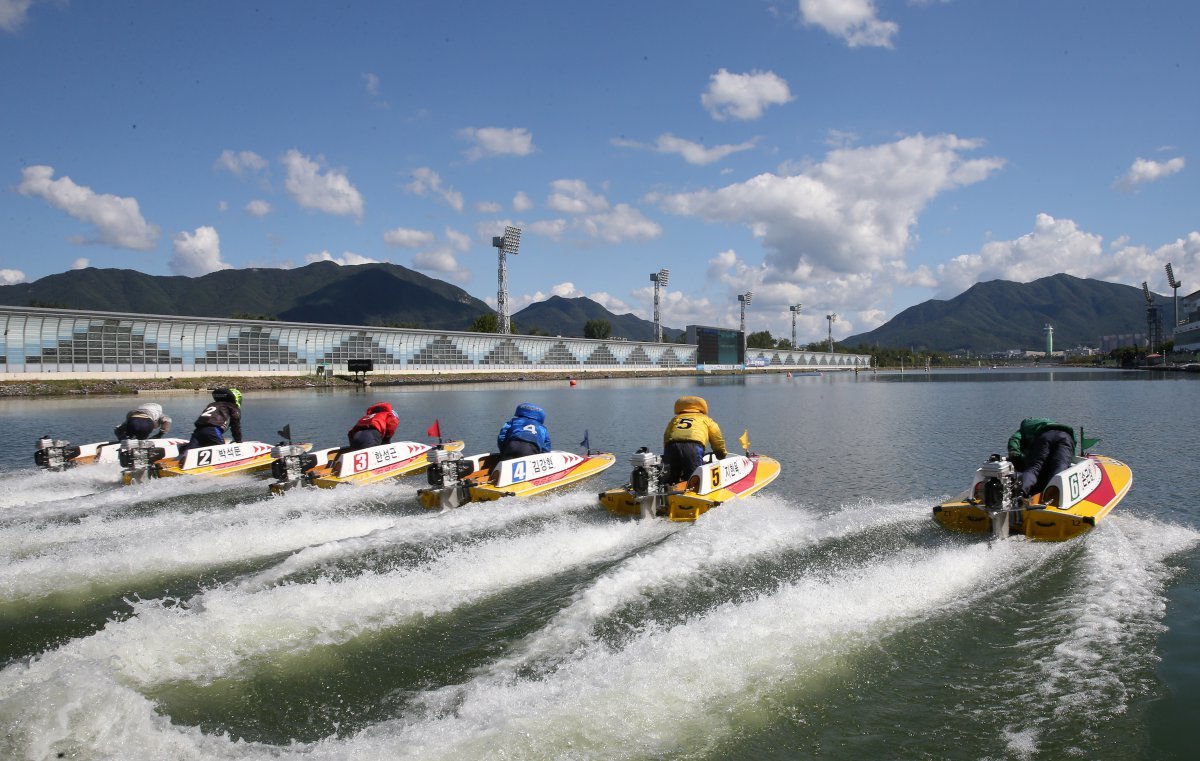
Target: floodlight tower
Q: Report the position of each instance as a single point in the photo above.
(1175, 285)
(795, 309)
(744, 299)
(660, 280)
(505, 244)
(832, 317)
(1153, 323)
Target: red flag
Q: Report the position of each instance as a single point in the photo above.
(435, 429)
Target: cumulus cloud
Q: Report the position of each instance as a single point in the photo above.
(13, 14)
(488, 207)
(118, 221)
(329, 191)
(548, 228)
(348, 258)
(497, 141)
(1059, 245)
(853, 212)
(241, 162)
(258, 208)
(404, 237)
(854, 21)
(197, 253)
(692, 152)
(574, 197)
(521, 202)
(622, 223)
(426, 182)
(11, 277)
(743, 96)
(1148, 170)
(80, 264)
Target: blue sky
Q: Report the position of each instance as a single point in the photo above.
(854, 156)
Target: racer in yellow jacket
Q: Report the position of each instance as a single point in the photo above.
(688, 434)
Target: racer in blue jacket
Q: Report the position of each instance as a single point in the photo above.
(525, 434)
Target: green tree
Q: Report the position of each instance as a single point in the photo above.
(760, 340)
(597, 329)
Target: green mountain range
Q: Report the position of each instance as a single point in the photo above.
(999, 315)
(560, 316)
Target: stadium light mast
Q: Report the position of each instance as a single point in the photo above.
(744, 299)
(832, 317)
(660, 280)
(1175, 285)
(505, 244)
(795, 309)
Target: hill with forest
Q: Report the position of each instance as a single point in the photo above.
(559, 316)
(999, 315)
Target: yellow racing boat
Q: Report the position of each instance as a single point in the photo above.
(56, 454)
(713, 483)
(1072, 503)
(456, 480)
(328, 468)
(219, 460)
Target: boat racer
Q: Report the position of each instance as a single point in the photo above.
(524, 434)
(141, 422)
(1040, 449)
(688, 434)
(375, 427)
(223, 415)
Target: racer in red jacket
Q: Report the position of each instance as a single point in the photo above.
(374, 428)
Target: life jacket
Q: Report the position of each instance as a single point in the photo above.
(381, 417)
(526, 425)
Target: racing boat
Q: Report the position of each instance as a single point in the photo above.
(1071, 504)
(327, 468)
(57, 454)
(219, 460)
(714, 483)
(456, 480)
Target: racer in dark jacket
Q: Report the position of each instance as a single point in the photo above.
(525, 434)
(224, 414)
(1040, 449)
(141, 422)
(376, 427)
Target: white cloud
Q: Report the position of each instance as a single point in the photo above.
(11, 277)
(488, 207)
(330, 192)
(744, 96)
(573, 197)
(855, 21)
(348, 258)
(13, 14)
(854, 212)
(549, 228)
(241, 162)
(497, 141)
(442, 260)
(372, 83)
(692, 152)
(1148, 170)
(622, 223)
(1059, 246)
(258, 208)
(80, 264)
(118, 220)
(521, 202)
(404, 237)
(426, 181)
(460, 241)
(197, 253)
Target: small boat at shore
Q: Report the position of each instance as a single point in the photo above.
(714, 483)
(328, 468)
(57, 454)
(456, 480)
(1072, 503)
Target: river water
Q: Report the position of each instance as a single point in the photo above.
(827, 617)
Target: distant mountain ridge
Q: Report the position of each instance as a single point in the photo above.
(999, 315)
(377, 294)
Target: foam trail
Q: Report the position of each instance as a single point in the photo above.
(766, 526)
(26, 487)
(421, 528)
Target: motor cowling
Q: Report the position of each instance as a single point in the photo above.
(136, 454)
(647, 472)
(54, 454)
(291, 462)
(446, 468)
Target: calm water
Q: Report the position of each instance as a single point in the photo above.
(828, 617)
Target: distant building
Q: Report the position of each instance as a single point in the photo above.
(1108, 343)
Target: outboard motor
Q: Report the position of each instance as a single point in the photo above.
(445, 474)
(291, 466)
(54, 454)
(646, 481)
(999, 491)
(138, 457)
